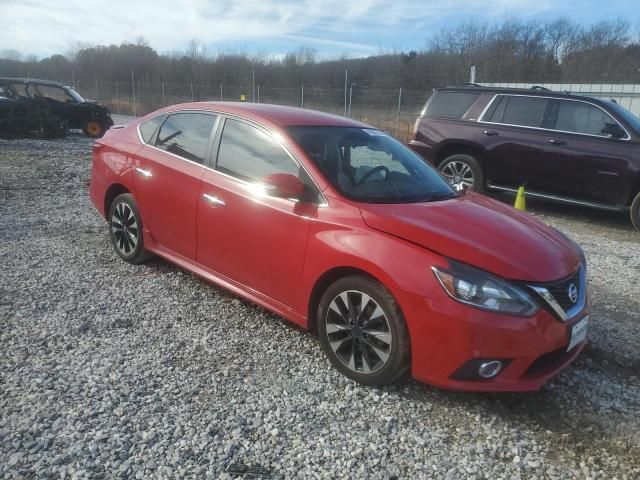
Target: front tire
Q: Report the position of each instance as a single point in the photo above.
(94, 129)
(362, 331)
(463, 172)
(635, 212)
(125, 230)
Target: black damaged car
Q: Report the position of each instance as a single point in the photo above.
(43, 107)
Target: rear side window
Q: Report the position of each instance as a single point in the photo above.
(186, 135)
(451, 105)
(149, 128)
(248, 153)
(518, 110)
(581, 117)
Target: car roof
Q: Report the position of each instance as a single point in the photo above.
(280, 115)
(36, 81)
(533, 91)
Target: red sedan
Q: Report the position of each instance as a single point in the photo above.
(339, 228)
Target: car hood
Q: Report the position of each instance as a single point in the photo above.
(481, 232)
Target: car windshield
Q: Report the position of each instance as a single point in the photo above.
(367, 165)
(75, 95)
(628, 117)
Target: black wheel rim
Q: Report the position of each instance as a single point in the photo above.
(358, 331)
(124, 228)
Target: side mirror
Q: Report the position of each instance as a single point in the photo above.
(283, 185)
(613, 130)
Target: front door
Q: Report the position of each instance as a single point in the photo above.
(581, 161)
(243, 234)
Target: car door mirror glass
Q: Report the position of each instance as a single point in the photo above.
(283, 185)
(613, 130)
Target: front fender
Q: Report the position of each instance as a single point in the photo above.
(394, 262)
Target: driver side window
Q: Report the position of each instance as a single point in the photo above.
(54, 93)
(581, 117)
(249, 154)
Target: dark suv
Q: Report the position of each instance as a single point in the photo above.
(562, 147)
(25, 102)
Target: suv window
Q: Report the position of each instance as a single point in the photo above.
(148, 128)
(55, 93)
(518, 110)
(450, 104)
(248, 153)
(581, 117)
(186, 135)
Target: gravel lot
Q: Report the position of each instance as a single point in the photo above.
(111, 370)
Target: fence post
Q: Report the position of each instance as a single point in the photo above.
(345, 91)
(97, 96)
(398, 119)
(133, 93)
(350, 97)
(191, 86)
(164, 103)
(117, 99)
(220, 92)
(253, 85)
(302, 96)
(258, 93)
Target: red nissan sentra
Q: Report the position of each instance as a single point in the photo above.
(339, 228)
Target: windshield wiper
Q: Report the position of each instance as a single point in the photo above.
(438, 196)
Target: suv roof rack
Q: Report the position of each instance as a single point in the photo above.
(538, 87)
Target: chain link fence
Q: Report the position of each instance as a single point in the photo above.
(392, 110)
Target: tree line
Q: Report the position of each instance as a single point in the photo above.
(513, 50)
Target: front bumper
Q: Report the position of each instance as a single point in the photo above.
(446, 334)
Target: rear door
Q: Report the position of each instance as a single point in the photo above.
(510, 131)
(167, 173)
(243, 234)
(585, 163)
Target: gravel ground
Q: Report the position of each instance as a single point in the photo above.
(111, 370)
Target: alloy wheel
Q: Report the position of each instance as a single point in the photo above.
(358, 331)
(459, 174)
(124, 228)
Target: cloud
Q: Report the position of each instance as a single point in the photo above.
(43, 27)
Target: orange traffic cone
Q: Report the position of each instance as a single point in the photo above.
(520, 200)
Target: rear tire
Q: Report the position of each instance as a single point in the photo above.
(362, 331)
(125, 230)
(463, 172)
(635, 212)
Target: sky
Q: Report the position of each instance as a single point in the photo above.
(331, 27)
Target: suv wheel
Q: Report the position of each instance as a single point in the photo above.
(93, 129)
(635, 212)
(362, 331)
(463, 172)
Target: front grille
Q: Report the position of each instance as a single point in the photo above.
(563, 298)
(560, 291)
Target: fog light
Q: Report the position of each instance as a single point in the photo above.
(490, 369)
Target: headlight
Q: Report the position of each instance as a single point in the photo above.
(479, 289)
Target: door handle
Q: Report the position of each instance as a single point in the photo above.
(490, 133)
(213, 200)
(143, 173)
(559, 143)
